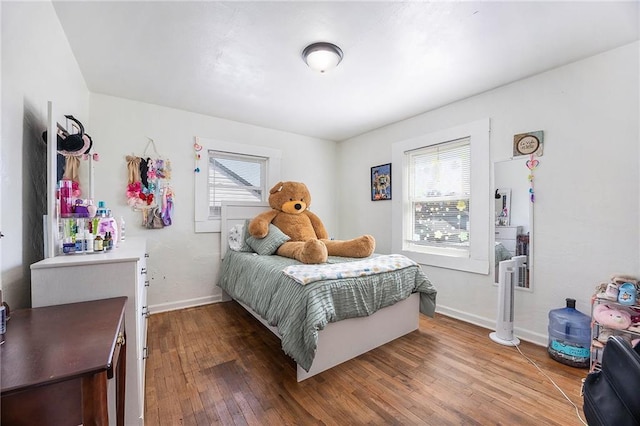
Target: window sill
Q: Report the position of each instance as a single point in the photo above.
(465, 264)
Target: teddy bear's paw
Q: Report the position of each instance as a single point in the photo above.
(313, 252)
(364, 246)
(258, 228)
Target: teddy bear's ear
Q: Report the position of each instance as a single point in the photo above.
(276, 188)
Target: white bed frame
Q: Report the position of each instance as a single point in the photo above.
(339, 341)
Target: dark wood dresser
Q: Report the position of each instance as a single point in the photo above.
(56, 362)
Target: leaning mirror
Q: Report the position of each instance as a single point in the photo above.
(513, 216)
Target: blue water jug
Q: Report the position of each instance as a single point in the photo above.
(569, 336)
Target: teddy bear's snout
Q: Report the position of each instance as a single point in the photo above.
(294, 207)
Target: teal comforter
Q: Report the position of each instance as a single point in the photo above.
(300, 311)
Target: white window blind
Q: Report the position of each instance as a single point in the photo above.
(229, 171)
(234, 177)
(439, 193)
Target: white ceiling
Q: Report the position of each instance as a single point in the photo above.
(242, 60)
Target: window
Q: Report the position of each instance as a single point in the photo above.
(439, 195)
(231, 172)
(442, 214)
(234, 177)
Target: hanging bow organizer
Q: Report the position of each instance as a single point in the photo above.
(149, 187)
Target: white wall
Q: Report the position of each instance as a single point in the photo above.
(183, 265)
(37, 66)
(587, 184)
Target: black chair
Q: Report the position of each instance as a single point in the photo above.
(612, 395)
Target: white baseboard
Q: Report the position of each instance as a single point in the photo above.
(522, 334)
(182, 304)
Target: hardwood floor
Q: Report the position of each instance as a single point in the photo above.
(216, 364)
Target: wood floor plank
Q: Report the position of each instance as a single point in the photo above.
(217, 365)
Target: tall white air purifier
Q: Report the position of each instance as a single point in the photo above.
(509, 275)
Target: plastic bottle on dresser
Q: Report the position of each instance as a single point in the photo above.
(102, 210)
(79, 243)
(107, 223)
(88, 241)
(92, 210)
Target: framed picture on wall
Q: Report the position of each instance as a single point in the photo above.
(381, 182)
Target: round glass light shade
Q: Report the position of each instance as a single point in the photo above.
(322, 56)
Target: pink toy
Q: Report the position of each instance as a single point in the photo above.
(612, 317)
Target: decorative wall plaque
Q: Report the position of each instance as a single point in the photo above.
(531, 143)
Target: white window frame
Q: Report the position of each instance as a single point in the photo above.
(203, 221)
(431, 151)
(476, 259)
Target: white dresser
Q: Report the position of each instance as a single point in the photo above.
(508, 236)
(82, 277)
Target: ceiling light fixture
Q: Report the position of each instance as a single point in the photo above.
(322, 56)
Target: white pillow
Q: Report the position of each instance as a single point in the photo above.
(238, 237)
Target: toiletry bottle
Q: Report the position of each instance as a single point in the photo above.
(108, 241)
(78, 238)
(66, 198)
(91, 208)
(88, 238)
(98, 244)
(102, 210)
(68, 246)
(79, 244)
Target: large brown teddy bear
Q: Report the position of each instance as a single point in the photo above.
(309, 241)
